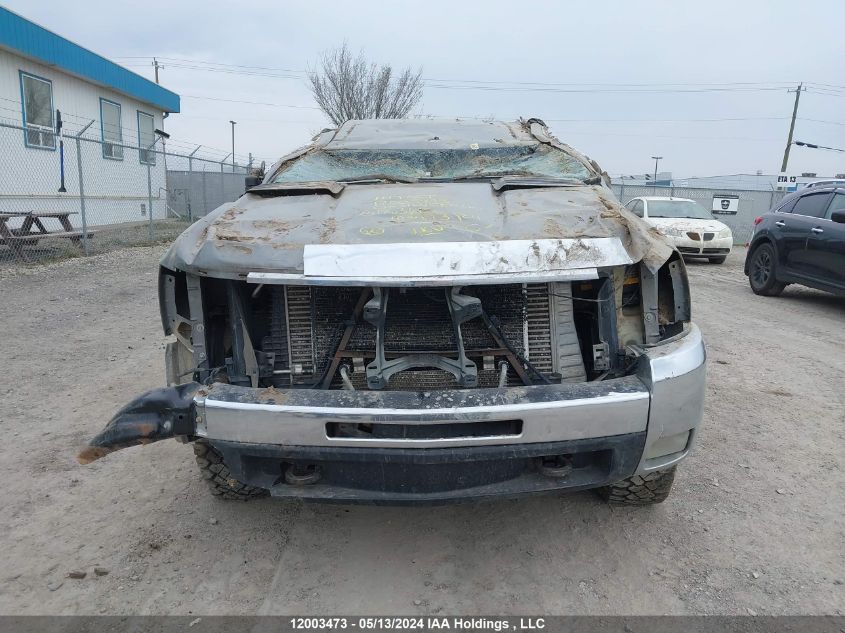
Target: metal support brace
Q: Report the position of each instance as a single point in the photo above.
(197, 325)
(680, 292)
(244, 361)
(648, 280)
(607, 327)
(461, 308)
(344, 339)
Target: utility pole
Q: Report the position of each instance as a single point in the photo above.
(156, 66)
(656, 159)
(791, 127)
(233, 145)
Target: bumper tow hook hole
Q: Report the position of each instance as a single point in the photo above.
(557, 466)
(302, 474)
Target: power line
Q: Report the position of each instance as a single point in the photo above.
(605, 90)
(231, 71)
(529, 86)
(721, 120)
(673, 136)
(819, 91)
(825, 86)
(814, 146)
(223, 119)
(605, 85)
(199, 61)
(467, 84)
(304, 73)
(275, 105)
(821, 121)
(548, 120)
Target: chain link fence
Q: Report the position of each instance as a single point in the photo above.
(751, 203)
(77, 194)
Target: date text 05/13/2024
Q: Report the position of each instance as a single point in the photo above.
(419, 623)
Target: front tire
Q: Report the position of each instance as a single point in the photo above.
(217, 475)
(640, 490)
(762, 275)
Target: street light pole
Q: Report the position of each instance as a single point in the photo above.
(656, 159)
(233, 145)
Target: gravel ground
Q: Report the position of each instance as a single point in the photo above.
(754, 524)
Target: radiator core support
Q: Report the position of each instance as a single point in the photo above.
(461, 308)
(312, 331)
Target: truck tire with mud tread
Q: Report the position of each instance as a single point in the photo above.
(640, 490)
(219, 479)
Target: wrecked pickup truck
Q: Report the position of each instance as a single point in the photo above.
(425, 310)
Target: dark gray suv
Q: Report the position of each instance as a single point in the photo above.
(800, 241)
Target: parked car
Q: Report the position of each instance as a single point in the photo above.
(691, 228)
(800, 241)
(425, 310)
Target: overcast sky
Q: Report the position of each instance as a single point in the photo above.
(752, 49)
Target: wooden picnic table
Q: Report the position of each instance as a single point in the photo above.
(32, 229)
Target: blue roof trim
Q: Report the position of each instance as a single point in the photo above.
(30, 40)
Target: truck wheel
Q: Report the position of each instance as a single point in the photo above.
(219, 479)
(717, 260)
(640, 490)
(761, 272)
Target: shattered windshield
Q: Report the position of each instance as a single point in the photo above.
(540, 160)
(677, 209)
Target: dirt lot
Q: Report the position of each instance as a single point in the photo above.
(755, 523)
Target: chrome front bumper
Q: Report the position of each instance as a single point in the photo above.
(664, 399)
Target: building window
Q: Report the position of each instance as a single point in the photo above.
(146, 137)
(37, 103)
(112, 133)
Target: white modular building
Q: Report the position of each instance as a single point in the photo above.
(109, 119)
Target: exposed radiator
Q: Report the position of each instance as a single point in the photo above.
(300, 330)
(418, 321)
(538, 327)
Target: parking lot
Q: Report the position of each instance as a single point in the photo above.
(754, 524)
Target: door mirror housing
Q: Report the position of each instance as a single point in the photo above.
(838, 216)
(255, 177)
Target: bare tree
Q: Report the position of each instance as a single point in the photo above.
(347, 87)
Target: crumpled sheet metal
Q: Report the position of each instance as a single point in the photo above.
(646, 241)
(268, 234)
(151, 417)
